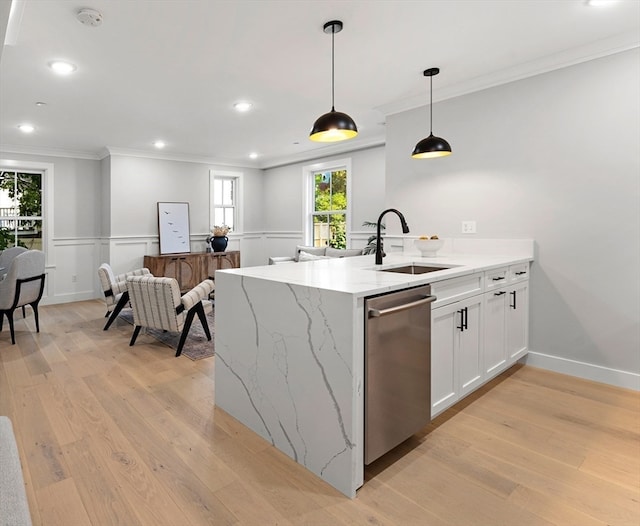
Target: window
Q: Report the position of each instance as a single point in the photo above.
(225, 199)
(21, 217)
(327, 222)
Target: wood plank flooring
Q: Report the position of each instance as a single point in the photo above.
(112, 434)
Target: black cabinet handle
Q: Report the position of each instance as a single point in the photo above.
(521, 273)
(499, 293)
(498, 278)
(513, 305)
(461, 326)
(466, 318)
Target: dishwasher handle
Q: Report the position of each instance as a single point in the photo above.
(377, 313)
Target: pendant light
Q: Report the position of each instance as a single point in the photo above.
(432, 146)
(333, 126)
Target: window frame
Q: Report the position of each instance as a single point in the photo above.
(308, 174)
(47, 172)
(236, 178)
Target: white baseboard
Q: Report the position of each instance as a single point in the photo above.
(588, 371)
(69, 297)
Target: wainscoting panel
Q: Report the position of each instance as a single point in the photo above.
(73, 277)
(252, 249)
(72, 269)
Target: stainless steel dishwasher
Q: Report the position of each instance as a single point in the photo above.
(397, 401)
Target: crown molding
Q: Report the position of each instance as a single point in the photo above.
(49, 152)
(166, 156)
(570, 57)
(324, 152)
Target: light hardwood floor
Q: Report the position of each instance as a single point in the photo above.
(112, 434)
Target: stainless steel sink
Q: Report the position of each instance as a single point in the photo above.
(412, 269)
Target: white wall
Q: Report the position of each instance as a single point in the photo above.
(106, 211)
(554, 158)
(284, 199)
(77, 210)
(137, 184)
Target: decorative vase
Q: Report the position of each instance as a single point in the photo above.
(219, 243)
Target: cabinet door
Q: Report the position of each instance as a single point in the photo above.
(156, 265)
(469, 355)
(444, 375)
(188, 272)
(518, 321)
(495, 332)
(171, 268)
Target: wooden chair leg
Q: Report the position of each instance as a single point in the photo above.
(124, 299)
(136, 331)
(185, 329)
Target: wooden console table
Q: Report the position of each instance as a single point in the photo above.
(192, 268)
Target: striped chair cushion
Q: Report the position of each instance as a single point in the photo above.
(113, 286)
(155, 302)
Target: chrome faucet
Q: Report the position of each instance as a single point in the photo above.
(405, 230)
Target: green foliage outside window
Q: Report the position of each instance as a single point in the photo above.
(21, 223)
(330, 207)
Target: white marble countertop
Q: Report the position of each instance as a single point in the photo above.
(360, 276)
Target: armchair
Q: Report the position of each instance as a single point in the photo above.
(22, 285)
(157, 304)
(6, 257)
(115, 289)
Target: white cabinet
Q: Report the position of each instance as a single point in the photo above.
(518, 322)
(495, 330)
(506, 322)
(456, 352)
(479, 327)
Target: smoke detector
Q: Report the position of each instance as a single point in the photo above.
(89, 17)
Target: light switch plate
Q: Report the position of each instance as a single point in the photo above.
(468, 227)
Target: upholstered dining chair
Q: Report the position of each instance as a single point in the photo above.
(6, 257)
(157, 304)
(115, 289)
(22, 285)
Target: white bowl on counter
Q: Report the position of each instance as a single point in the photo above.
(428, 247)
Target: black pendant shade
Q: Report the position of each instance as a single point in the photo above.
(334, 125)
(431, 146)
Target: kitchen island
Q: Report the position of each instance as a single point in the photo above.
(289, 345)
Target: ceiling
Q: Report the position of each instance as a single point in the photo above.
(172, 69)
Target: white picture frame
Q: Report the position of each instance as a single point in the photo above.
(173, 228)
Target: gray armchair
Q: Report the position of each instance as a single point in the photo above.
(6, 257)
(23, 285)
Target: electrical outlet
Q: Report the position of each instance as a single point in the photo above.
(468, 227)
(74, 279)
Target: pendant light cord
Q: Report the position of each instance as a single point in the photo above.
(431, 105)
(333, 86)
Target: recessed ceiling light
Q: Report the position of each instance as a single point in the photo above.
(159, 144)
(600, 3)
(242, 106)
(26, 128)
(40, 104)
(253, 155)
(62, 68)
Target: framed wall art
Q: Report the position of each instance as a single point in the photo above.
(173, 228)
